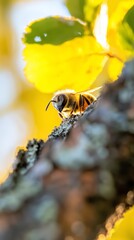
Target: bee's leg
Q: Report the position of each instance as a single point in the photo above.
(81, 102)
(60, 115)
(73, 108)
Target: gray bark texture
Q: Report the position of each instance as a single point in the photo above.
(67, 187)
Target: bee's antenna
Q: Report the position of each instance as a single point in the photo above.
(49, 104)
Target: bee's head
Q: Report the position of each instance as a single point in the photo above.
(59, 101)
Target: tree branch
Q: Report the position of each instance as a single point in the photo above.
(67, 187)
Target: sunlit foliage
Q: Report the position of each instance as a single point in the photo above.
(64, 53)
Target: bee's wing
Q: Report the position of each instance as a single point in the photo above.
(94, 89)
(90, 90)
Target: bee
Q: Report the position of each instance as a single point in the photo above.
(68, 102)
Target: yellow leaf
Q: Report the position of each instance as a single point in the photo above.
(117, 10)
(116, 13)
(73, 64)
(123, 229)
(114, 68)
(90, 9)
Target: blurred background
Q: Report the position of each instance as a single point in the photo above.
(22, 107)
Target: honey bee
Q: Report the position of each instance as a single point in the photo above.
(68, 102)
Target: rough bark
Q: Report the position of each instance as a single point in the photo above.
(67, 187)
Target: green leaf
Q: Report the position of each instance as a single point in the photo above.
(129, 18)
(54, 30)
(84, 9)
(126, 30)
(76, 8)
